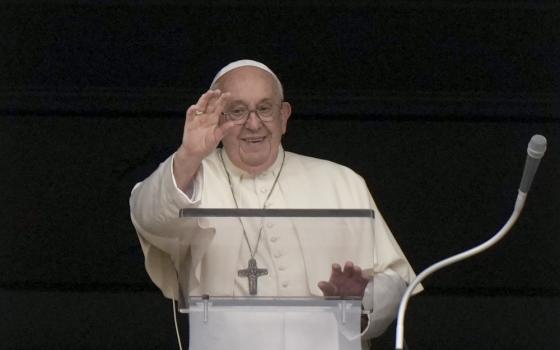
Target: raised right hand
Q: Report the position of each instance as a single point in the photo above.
(201, 135)
(202, 131)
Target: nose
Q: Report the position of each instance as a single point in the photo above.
(253, 122)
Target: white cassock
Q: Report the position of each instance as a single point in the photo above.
(210, 258)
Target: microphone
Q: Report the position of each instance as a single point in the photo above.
(535, 151)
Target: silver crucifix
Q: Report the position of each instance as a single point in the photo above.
(252, 272)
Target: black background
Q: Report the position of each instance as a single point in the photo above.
(433, 103)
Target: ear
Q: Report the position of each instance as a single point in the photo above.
(285, 113)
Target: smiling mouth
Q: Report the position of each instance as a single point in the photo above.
(254, 139)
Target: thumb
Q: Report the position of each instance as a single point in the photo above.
(222, 130)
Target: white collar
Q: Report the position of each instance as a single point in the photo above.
(239, 174)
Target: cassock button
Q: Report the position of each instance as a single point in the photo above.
(282, 268)
(277, 254)
(273, 239)
(285, 284)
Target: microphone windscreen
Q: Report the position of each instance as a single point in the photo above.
(537, 146)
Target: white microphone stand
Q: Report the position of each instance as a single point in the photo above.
(535, 151)
(519, 203)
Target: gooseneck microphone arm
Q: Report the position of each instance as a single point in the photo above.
(535, 151)
(451, 260)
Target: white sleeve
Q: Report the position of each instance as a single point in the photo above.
(382, 298)
(195, 189)
(164, 236)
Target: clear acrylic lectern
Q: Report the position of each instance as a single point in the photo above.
(250, 280)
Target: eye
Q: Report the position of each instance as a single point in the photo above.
(264, 109)
(238, 112)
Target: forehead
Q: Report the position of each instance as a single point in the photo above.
(249, 85)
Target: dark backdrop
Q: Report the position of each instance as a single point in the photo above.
(432, 103)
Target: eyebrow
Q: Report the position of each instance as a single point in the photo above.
(264, 100)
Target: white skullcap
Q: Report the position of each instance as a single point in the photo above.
(247, 63)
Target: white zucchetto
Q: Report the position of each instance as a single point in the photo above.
(246, 63)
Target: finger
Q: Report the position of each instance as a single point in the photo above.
(357, 273)
(358, 277)
(222, 102)
(218, 106)
(218, 101)
(202, 103)
(223, 129)
(348, 269)
(327, 288)
(211, 105)
(191, 112)
(336, 271)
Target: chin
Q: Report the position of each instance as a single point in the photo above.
(258, 157)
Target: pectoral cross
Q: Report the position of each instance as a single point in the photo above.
(252, 272)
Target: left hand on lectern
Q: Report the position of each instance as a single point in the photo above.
(345, 283)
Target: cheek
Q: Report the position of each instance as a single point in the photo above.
(276, 131)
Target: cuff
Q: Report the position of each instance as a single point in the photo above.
(194, 191)
(381, 299)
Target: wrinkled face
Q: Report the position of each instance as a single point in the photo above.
(253, 145)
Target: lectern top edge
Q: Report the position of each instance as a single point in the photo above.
(278, 213)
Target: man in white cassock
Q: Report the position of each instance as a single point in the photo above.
(245, 111)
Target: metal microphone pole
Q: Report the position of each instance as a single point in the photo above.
(535, 151)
